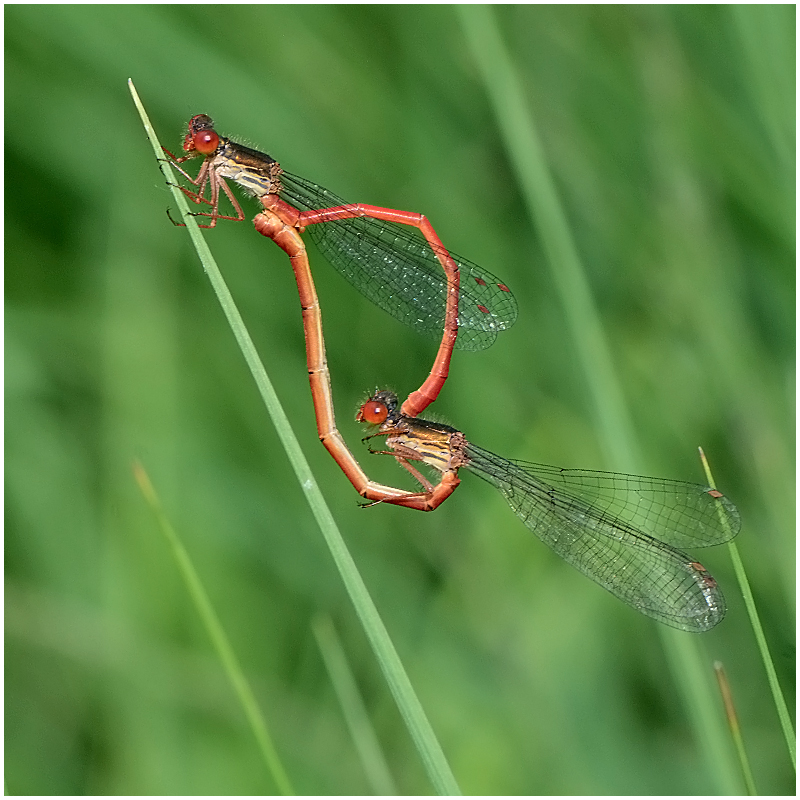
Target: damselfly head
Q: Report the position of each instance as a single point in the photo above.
(380, 407)
(201, 136)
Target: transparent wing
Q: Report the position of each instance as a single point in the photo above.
(395, 267)
(623, 532)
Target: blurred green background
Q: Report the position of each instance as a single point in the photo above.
(670, 134)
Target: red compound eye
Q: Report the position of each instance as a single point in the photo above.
(374, 412)
(205, 142)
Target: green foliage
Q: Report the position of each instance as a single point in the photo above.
(669, 132)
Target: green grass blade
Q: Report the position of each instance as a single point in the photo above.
(758, 630)
(217, 635)
(355, 714)
(416, 720)
(527, 157)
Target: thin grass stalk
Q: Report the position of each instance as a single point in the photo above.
(416, 720)
(758, 630)
(733, 724)
(216, 633)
